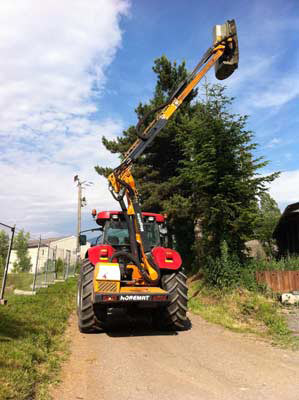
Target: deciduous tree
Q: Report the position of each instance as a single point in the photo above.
(268, 216)
(23, 263)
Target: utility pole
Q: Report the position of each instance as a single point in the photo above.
(81, 203)
(12, 228)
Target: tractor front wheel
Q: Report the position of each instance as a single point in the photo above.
(174, 316)
(88, 320)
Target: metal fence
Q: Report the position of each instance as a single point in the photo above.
(52, 265)
(49, 264)
(45, 268)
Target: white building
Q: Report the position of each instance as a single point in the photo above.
(52, 248)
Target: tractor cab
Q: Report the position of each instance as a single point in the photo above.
(115, 230)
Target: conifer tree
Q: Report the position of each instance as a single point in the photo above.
(199, 169)
(222, 174)
(154, 171)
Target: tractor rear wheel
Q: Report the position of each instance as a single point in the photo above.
(174, 316)
(88, 320)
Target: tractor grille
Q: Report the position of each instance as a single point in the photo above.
(107, 286)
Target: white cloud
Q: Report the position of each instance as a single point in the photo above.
(252, 66)
(267, 77)
(285, 189)
(277, 92)
(274, 143)
(260, 86)
(54, 55)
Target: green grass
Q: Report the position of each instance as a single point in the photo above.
(21, 281)
(290, 263)
(244, 311)
(31, 340)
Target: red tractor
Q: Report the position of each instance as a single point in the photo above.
(111, 277)
(132, 266)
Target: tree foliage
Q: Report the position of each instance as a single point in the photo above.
(59, 265)
(221, 174)
(199, 169)
(268, 216)
(23, 263)
(154, 171)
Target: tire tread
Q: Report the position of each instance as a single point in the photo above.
(174, 316)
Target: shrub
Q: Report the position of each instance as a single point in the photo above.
(223, 271)
(227, 271)
(59, 266)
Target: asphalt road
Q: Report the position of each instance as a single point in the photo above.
(131, 361)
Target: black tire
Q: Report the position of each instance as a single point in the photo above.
(87, 321)
(174, 316)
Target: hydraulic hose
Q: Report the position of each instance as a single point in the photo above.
(143, 272)
(141, 121)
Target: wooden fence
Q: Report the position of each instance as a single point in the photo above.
(279, 281)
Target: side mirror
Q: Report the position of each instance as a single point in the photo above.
(82, 240)
(228, 62)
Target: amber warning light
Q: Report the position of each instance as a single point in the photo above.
(94, 212)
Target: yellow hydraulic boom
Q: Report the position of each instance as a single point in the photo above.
(224, 55)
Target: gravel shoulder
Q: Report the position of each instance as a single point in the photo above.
(132, 362)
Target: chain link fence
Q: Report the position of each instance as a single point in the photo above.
(57, 265)
(45, 268)
(49, 264)
(53, 265)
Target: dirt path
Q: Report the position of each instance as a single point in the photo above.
(133, 362)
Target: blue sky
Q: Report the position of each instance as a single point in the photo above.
(266, 86)
(73, 71)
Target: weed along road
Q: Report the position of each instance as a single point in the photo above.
(132, 362)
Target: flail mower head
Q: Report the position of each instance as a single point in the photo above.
(228, 62)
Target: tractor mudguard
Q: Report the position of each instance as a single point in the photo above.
(100, 253)
(167, 258)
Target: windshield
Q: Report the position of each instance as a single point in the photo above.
(152, 233)
(96, 240)
(117, 234)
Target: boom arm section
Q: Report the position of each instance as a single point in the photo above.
(224, 56)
